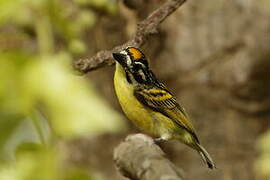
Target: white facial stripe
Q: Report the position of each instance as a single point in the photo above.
(128, 57)
(137, 62)
(142, 74)
(123, 52)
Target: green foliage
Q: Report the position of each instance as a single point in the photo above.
(106, 5)
(43, 164)
(42, 100)
(67, 99)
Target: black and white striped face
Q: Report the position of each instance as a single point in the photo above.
(135, 65)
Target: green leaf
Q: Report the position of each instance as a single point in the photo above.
(73, 107)
(39, 165)
(8, 123)
(77, 174)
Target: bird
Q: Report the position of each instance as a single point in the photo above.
(150, 105)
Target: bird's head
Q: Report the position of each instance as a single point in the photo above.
(135, 64)
(131, 59)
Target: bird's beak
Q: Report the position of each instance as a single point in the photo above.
(121, 58)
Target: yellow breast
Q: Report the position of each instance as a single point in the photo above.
(133, 109)
(143, 117)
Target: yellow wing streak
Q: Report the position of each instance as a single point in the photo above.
(164, 102)
(157, 94)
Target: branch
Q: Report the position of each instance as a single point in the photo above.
(138, 157)
(144, 29)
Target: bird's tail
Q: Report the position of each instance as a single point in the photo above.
(205, 156)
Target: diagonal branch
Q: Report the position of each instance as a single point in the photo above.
(144, 29)
(138, 157)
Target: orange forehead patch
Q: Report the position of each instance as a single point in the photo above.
(135, 53)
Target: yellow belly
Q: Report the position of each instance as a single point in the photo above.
(143, 117)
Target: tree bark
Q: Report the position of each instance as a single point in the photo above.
(144, 29)
(138, 157)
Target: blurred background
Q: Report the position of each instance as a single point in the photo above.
(57, 124)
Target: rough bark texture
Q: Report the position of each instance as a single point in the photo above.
(144, 29)
(214, 56)
(138, 157)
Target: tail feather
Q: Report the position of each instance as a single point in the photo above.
(206, 157)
